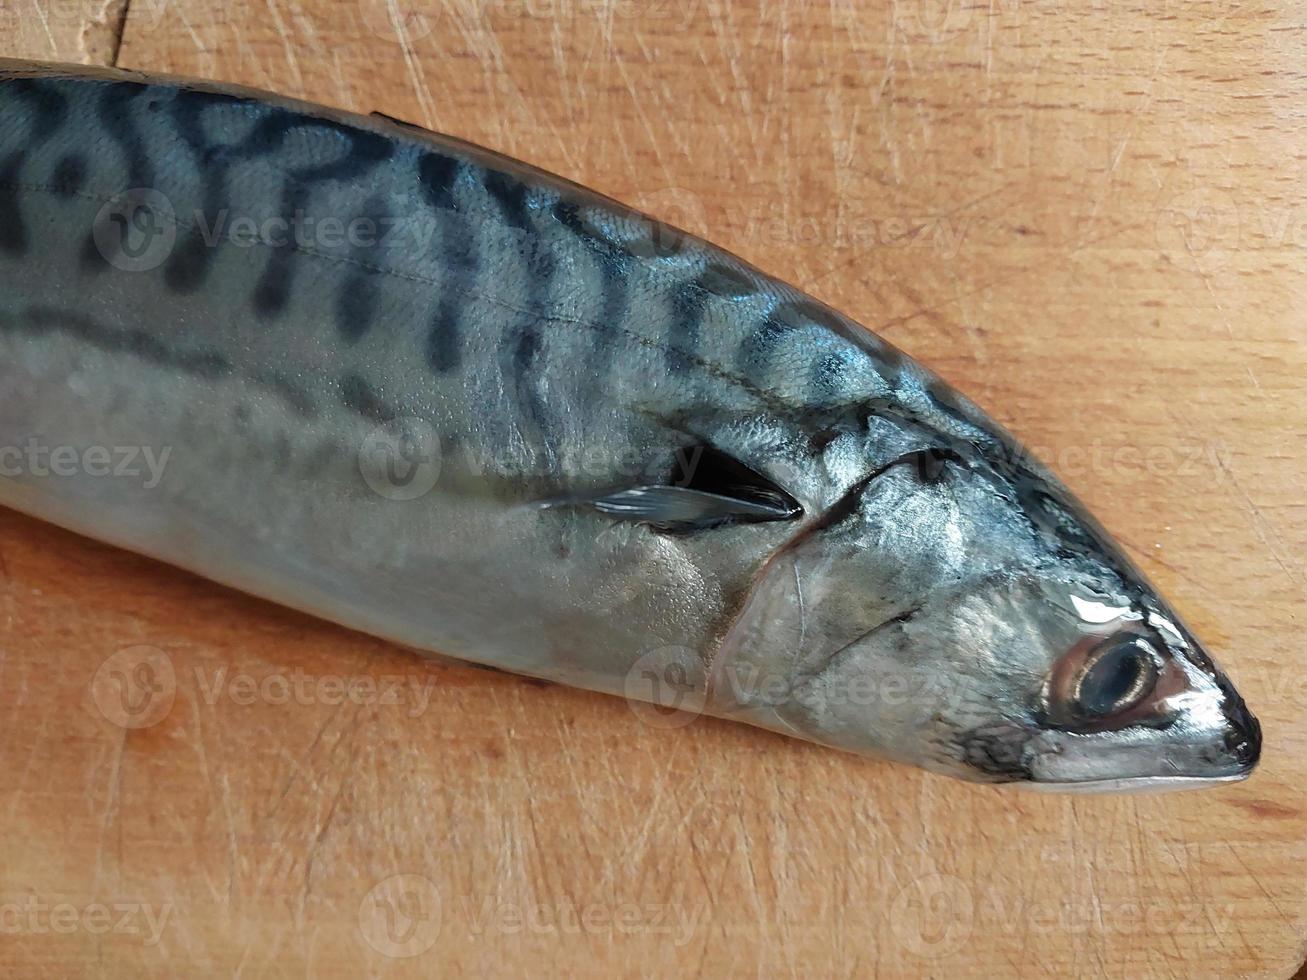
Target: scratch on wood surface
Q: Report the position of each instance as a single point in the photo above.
(62, 30)
(116, 19)
(413, 68)
(287, 44)
(344, 775)
(111, 815)
(1268, 535)
(221, 784)
(199, 46)
(101, 36)
(44, 18)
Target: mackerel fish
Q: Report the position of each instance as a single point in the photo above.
(438, 395)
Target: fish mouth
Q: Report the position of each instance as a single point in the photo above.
(1227, 755)
(1211, 740)
(1243, 734)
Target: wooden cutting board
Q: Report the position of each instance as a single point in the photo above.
(1091, 217)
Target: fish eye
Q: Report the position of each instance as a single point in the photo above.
(1116, 676)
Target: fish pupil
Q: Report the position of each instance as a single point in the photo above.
(1116, 680)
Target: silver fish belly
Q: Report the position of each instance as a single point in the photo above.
(429, 392)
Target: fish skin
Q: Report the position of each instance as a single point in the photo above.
(539, 342)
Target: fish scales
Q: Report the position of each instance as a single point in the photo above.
(628, 443)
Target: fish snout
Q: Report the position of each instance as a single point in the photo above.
(1243, 735)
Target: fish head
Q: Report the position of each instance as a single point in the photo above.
(1069, 675)
(1130, 700)
(973, 619)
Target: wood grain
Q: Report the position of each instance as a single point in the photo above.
(85, 31)
(1091, 217)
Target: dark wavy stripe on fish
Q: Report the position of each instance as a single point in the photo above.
(49, 111)
(203, 363)
(206, 364)
(69, 175)
(193, 256)
(364, 150)
(360, 291)
(522, 346)
(755, 352)
(115, 113)
(688, 308)
(615, 268)
(437, 175)
(360, 397)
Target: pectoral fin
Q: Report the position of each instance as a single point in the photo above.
(676, 509)
(706, 488)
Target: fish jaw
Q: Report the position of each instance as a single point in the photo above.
(1211, 738)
